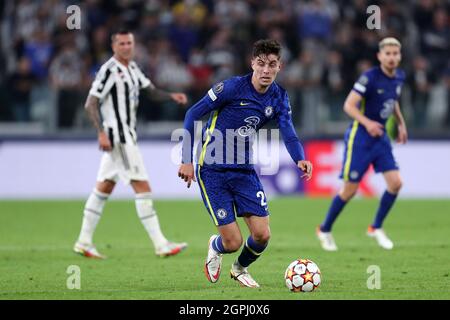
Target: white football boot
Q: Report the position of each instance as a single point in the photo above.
(381, 237)
(326, 240)
(87, 250)
(241, 275)
(213, 263)
(170, 249)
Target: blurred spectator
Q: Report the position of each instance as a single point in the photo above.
(219, 55)
(232, 12)
(66, 73)
(151, 30)
(201, 73)
(39, 50)
(303, 79)
(20, 84)
(100, 46)
(393, 22)
(278, 35)
(435, 41)
(315, 20)
(423, 14)
(174, 75)
(95, 15)
(420, 80)
(447, 85)
(336, 87)
(195, 9)
(203, 42)
(270, 14)
(183, 35)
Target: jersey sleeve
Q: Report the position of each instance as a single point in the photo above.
(402, 79)
(363, 84)
(144, 82)
(290, 138)
(102, 84)
(218, 96)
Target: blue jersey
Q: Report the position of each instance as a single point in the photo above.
(380, 94)
(237, 112)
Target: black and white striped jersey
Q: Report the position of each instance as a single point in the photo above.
(117, 86)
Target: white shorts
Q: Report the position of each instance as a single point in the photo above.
(124, 162)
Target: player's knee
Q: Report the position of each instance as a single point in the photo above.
(106, 186)
(261, 237)
(232, 244)
(395, 186)
(347, 193)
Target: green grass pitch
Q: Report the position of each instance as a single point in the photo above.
(36, 239)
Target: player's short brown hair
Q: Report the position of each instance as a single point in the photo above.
(265, 47)
(120, 31)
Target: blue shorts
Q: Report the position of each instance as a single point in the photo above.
(231, 193)
(358, 158)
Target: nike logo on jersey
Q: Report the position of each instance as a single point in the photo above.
(244, 103)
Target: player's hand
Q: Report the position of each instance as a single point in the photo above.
(186, 172)
(307, 169)
(103, 141)
(375, 129)
(179, 98)
(402, 136)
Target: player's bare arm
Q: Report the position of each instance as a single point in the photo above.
(307, 168)
(162, 95)
(186, 172)
(92, 108)
(401, 125)
(374, 128)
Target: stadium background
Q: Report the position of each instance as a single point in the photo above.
(187, 46)
(48, 149)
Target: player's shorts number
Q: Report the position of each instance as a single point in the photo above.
(260, 194)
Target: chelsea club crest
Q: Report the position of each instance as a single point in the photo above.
(221, 213)
(218, 87)
(268, 111)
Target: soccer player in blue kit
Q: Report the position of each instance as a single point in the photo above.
(373, 99)
(229, 186)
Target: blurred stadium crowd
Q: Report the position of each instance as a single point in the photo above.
(187, 45)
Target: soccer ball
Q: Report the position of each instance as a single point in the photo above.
(302, 275)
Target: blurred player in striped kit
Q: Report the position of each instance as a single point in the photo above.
(115, 94)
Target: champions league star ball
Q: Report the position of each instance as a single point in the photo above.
(302, 275)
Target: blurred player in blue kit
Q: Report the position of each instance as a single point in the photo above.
(373, 99)
(229, 185)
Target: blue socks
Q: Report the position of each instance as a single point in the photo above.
(336, 207)
(386, 202)
(251, 251)
(218, 245)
